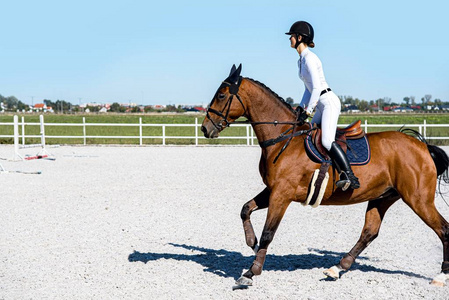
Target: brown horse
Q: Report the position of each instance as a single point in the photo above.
(382, 180)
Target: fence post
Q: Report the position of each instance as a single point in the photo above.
(17, 156)
(196, 131)
(23, 131)
(41, 118)
(366, 126)
(247, 135)
(84, 130)
(425, 129)
(252, 136)
(163, 135)
(140, 131)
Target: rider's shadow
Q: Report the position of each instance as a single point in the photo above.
(228, 264)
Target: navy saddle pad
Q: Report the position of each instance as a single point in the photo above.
(359, 152)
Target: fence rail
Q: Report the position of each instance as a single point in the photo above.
(249, 138)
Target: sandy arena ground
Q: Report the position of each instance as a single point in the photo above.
(163, 223)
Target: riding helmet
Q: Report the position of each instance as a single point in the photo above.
(302, 28)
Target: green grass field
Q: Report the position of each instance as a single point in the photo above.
(399, 119)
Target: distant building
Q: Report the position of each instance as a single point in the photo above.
(39, 107)
(351, 108)
(42, 107)
(403, 109)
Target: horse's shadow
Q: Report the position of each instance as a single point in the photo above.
(228, 264)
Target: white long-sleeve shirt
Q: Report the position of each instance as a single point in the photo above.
(311, 73)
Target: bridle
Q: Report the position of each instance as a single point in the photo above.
(233, 90)
(223, 123)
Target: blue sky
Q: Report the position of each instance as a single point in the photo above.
(178, 52)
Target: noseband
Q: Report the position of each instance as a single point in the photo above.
(233, 90)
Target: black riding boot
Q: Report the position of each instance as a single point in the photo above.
(347, 177)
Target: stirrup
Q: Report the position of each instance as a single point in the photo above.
(343, 184)
(347, 180)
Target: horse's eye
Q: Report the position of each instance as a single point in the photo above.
(221, 96)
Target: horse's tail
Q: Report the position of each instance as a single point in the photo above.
(439, 156)
(441, 161)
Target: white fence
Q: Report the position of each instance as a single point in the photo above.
(248, 139)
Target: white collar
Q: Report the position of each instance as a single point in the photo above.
(304, 52)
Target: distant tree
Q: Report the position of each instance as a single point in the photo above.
(363, 105)
(135, 109)
(11, 102)
(348, 100)
(115, 107)
(407, 100)
(148, 108)
(22, 106)
(412, 99)
(290, 100)
(61, 106)
(170, 108)
(93, 108)
(426, 99)
(50, 103)
(380, 103)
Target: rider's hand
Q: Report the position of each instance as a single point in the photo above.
(302, 115)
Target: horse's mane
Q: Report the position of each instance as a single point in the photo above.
(272, 92)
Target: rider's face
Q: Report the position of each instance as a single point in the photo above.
(292, 41)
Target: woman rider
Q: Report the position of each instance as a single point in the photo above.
(319, 97)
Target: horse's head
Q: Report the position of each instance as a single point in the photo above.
(223, 110)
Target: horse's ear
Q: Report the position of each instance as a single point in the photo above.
(239, 70)
(234, 76)
(233, 69)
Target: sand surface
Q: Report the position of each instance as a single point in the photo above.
(163, 223)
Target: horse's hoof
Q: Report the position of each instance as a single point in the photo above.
(239, 287)
(437, 283)
(333, 272)
(440, 280)
(242, 282)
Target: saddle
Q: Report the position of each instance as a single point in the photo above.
(352, 132)
(354, 143)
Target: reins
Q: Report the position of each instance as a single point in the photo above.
(233, 90)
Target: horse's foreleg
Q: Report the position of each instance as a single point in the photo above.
(259, 202)
(276, 211)
(373, 219)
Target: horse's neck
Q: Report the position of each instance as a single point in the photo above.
(264, 106)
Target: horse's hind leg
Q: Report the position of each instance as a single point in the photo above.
(424, 207)
(259, 202)
(373, 218)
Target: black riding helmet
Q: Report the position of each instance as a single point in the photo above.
(304, 29)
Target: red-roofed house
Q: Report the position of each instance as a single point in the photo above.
(39, 107)
(199, 108)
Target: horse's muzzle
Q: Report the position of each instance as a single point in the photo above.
(211, 133)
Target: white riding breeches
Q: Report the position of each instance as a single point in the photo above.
(326, 114)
